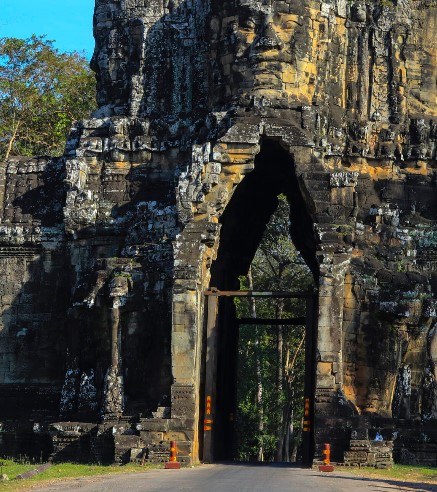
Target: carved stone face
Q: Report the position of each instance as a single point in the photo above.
(119, 286)
(358, 12)
(261, 52)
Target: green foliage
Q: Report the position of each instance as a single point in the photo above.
(249, 437)
(13, 468)
(278, 351)
(42, 91)
(277, 264)
(404, 474)
(62, 471)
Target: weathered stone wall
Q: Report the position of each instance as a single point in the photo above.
(33, 289)
(333, 104)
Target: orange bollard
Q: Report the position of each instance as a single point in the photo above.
(327, 453)
(327, 467)
(173, 464)
(172, 450)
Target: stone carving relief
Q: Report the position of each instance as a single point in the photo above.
(190, 92)
(260, 46)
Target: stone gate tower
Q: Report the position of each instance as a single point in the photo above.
(207, 110)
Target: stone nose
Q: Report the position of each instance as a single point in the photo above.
(268, 39)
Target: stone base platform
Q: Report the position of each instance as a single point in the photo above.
(117, 441)
(352, 440)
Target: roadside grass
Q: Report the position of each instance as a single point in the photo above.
(61, 471)
(399, 473)
(12, 468)
(404, 473)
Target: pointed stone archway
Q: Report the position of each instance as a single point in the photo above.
(215, 248)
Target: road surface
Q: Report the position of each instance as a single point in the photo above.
(234, 478)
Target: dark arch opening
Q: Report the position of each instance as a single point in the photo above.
(248, 212)
(243, 224)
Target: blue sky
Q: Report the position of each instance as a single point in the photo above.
(68, 22)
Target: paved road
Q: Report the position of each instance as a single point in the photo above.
(234, 478)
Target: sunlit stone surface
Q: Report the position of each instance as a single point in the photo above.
(106, 252)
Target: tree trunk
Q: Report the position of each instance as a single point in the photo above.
(12, 140)
(288, 415)
(280, 346)
(279, 381)
(259, 393)
(290, 430)
(289, 406)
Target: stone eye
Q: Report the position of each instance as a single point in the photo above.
(288, 25)
(248, 23)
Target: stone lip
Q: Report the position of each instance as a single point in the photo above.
(32, 473)
(326, 468)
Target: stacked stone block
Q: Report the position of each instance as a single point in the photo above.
(107, 251)
(378, 454)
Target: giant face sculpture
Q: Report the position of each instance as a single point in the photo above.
(263, 48)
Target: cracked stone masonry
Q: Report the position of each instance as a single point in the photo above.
(207, 110)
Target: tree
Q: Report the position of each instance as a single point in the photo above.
(42, 91)
(272, 359)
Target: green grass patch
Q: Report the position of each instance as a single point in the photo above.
(12, 469)
(62, 471)
(404, 473)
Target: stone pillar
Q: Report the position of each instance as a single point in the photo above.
(330, 402)
(113, 389)
(329, 344)
(186, 337)
(113, 386)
